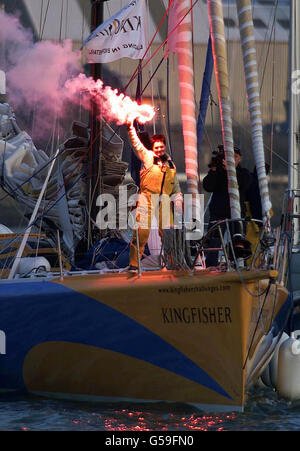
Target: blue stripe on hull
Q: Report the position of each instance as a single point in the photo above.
(37, 312)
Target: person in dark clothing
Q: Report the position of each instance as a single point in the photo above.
(216, 182)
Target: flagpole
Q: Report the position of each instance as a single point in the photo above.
(95, 139)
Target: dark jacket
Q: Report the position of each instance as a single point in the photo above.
(216, 182)
(253, 197)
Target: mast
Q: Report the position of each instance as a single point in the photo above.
(294, 98)
(294, 110)
(95, 139)
(244, 10)
(216, 26)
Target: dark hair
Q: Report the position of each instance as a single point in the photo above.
(156, 138)
(235, 148)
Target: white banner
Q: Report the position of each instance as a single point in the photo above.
(121, 36)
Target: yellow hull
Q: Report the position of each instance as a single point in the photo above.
(166, 336)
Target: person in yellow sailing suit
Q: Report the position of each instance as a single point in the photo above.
(158, 184)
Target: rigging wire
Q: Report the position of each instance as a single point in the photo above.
(66, 21)
(61, 20)
(150, 71)
(162, 115)
(141, 67)
(153, 74)
(82, 28)
(45, 193)
(12, 191)
(168, 107)
(193, 51)
(45, 18)
(272, 101)
(269, 45)
(41, 15)
(256, 326)
(265, 145)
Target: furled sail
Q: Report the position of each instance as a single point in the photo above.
(63, 207)
(24, 168)
(244, 9)
(216, 24)
(180, 42)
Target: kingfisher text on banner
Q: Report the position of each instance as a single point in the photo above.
(124, 35)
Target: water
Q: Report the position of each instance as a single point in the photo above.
(263, 412)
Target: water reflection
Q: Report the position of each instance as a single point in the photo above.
(264, 411)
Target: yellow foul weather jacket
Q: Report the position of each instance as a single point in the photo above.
(157, 176)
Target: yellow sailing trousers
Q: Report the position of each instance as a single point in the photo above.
(149, 205)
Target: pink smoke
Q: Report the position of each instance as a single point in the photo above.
(12, 32)
(112, 105)
(40, 74)
(36, 73)
(46, 76)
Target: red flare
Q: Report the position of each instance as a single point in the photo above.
(113, 106)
